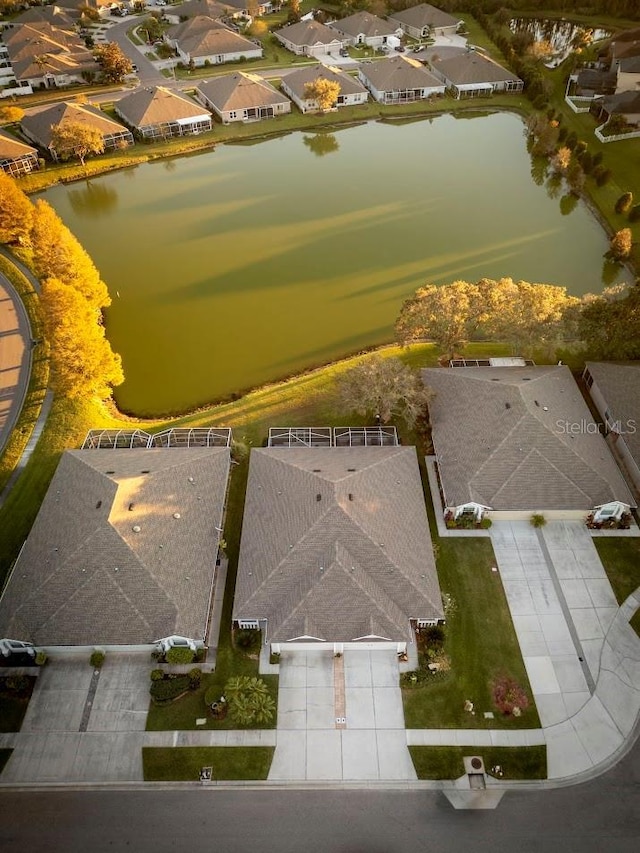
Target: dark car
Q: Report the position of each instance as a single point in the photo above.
(400, 48)
(344, 51)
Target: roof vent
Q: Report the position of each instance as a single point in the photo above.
(545, 408)
(136, 528)
(318, 497)
(176, 515)
(99, 504)
(507, 405)
(145, 471)
(109, 472)
(350, 496)
(316, 470)
(537, 403)
(131, 506)
(190, 480)
(351, 469)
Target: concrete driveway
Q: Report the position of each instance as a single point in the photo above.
(81, 726)
(340, 718)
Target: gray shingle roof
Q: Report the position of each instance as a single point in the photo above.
(502, 440)
(354, 563)
(399, 73)
(208, 8)
(12, 148)
(425, 15)
(296, 80)
(65, 589)
(363, 23)
(144, 107)
(308, 33)
(202, 36)
(241, 91)
(619, 385)
(472, 67)
(38, 125)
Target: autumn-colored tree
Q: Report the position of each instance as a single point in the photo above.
(624, 203)
(294, 14)
(10, 114)
(561, 159)
(74, 139)
(15, 212)
(527, 315)
(385, 388)
(540, 50)
(82, 361)
(57, 254)
(324, 92)
(621, 243)
(115, 65)
(446, 314)
(258, 28)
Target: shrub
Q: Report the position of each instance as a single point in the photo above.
(602, 175)
(624, 203)
(212, 694)
(15, 683)
(634, 214)
(97, 658)
(41, 658)
(169, 688)
(248, 639)
(249, 700)
(509, 697)
(486, 523)
(538, 520)
(157, 675)
(179, 655)
(195, 677)
(274, 657)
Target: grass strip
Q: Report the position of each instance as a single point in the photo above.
(445, 762)
(228, 763)
(620, 557)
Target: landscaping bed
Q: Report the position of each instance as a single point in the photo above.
(184, 763)
(514, 762)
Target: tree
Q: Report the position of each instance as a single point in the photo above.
(540, 50)
(11, 115)
(621, 244)
(58, 254)
(446, 314)
(151, 28)
(82, 361)
(383, 387)
(294, 14)
(16, 212)
(575, 178)
(324, 92)
(527, 315)
(624, 203)
(249, 700)
(561, 159)
(609, 324)
(115, 65)
(74, 139)
(258, 29)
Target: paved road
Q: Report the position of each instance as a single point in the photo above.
(15, 359)
(601, 816)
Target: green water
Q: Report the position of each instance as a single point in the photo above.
(249, 263)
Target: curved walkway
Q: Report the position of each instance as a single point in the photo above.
(15, 358)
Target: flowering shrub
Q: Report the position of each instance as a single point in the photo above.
(509, 697)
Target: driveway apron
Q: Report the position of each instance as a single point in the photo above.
(340, 718)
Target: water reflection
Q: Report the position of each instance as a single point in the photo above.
(94, 200)
(553, 185)
(563, 36)
(568, 204)
(321, 143)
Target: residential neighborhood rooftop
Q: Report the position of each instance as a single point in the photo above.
(39, 125)
(519, 438)
(619, 385)
(123, 550)
(307, 33)
(471, 67)
(363, 23)
(147, 106)
(425, 15)
(240, 91)
(397, 73)
(10, 147)
(297, 80)
(335, 544)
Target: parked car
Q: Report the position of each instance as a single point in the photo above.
(400, 48)
(344, 51)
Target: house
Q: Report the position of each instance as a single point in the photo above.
(38, 126)
(352, 92)
(56, 16)
(365, 28)
(518, 440)
(615, 392)
(310, 38)
(262, 7)
(159, 113)
(16, 158)
(43, 55)
(399, 80)
(122, 553)
(198, 8)
(474, 75)
(425, 20)
(626, 104)
(242, 97)
(202, 41)
(335, 549)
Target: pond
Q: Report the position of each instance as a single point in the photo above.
(249, 263)
(563, 36)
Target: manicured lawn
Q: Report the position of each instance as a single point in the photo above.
(621, 561)
(183, 763)
(5, 755)
(480, 641)
(445, 762)
(13, 707)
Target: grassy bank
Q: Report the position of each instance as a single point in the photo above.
(621, 561)
(184, 763)
(445, 762)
